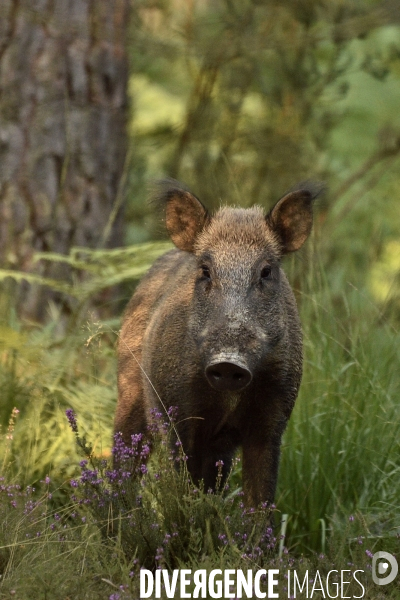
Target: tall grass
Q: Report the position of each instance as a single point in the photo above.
(341, 451)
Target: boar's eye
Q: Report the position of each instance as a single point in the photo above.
(205, 271)
(266, 272)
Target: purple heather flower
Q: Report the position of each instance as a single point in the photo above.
(172, 412)
(145, 451)
(136, 438)
(222, 538)
(29, 506)
(71, 416)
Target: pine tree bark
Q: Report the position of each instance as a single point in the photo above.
(63, 101)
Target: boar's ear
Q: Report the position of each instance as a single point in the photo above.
(291, 218)
(185, 216)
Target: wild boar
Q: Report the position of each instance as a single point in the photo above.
(213, 329)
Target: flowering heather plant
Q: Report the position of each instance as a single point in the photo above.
(195, 530)
(150, 512)
(9, 435)
(147, 496)
(144, 511)
(35, 538)
(28, 513)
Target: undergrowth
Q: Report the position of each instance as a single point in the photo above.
(141, 510)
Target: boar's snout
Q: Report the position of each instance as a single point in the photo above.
(228, 376)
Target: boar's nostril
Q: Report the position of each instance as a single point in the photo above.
(228, 376)
(214, 374)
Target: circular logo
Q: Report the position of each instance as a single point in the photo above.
(384, 568)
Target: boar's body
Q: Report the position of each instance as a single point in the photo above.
(213, 329)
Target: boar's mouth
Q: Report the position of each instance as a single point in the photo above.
(227, 375)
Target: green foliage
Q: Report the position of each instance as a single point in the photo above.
(103, 269)
(75, 359)
(243, 99)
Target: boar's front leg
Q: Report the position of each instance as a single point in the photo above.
(211, 457)
(211, 465)
(260, 465)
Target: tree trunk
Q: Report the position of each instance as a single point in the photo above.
(63, 101)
